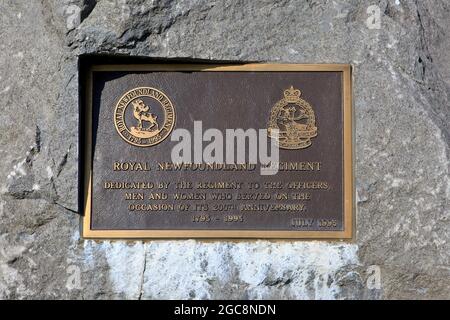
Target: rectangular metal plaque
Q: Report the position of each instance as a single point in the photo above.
(137, 119)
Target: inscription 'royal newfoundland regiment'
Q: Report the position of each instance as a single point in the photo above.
(146, 128)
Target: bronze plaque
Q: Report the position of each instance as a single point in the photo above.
(162, 144)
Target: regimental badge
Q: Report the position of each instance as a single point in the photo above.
(294, 119)
(144, 116)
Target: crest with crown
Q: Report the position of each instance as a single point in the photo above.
(292, 121)
(292, 95)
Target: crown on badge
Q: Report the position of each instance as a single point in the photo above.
(291, 94)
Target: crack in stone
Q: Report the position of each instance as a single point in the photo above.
(63, 162)
(280, 282)
(425, 76)
(65, 207)
(22, 194)
(37, 139)
(35, 149)
(141, 289)
(86, 10)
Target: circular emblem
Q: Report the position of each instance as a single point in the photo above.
(294, 120)
(144, 116)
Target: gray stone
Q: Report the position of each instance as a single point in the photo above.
(402, 109)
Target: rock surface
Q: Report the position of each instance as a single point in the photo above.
(402, 107)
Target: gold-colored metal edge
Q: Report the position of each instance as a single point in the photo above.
(348, 153)
(87, 174)
(219, 234)
(222, 67)
(349, 209)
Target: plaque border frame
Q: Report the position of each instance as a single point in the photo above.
(347, 234)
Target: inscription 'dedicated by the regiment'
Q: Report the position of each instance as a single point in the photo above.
(256, 195)
(260, 153)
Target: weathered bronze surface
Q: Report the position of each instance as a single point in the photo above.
(132, 190)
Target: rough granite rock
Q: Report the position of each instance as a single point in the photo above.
(402, 110)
